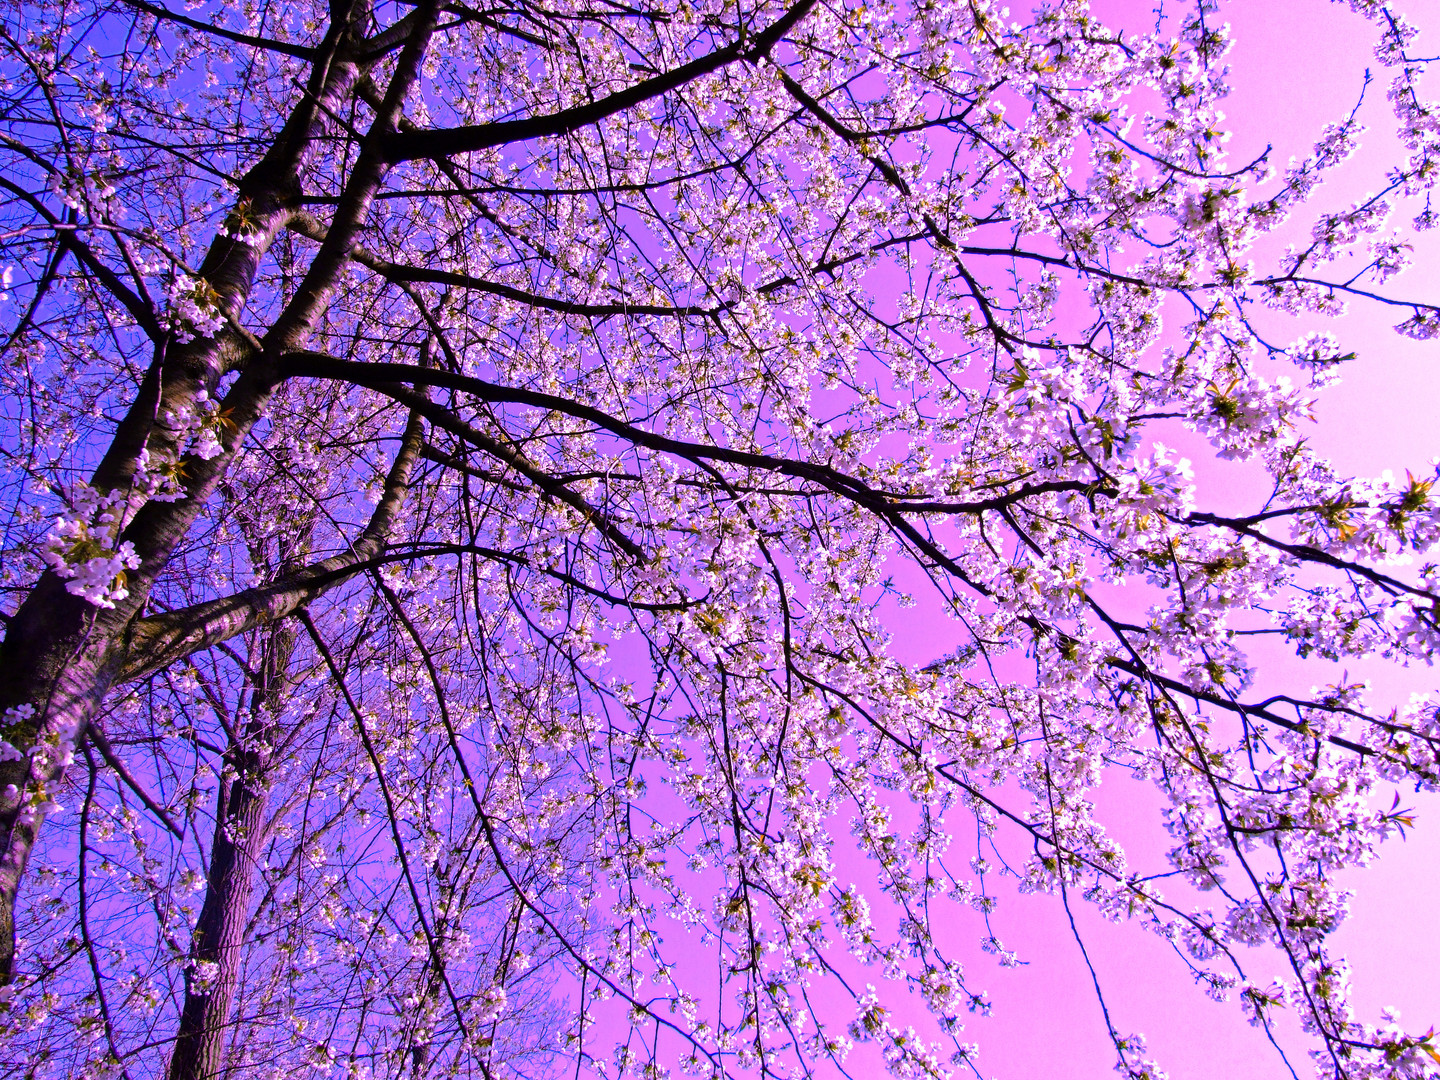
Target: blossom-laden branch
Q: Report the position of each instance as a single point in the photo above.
(723, 336)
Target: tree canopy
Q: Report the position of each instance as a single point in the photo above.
(462, 465)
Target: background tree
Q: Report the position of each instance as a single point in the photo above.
(455, 456)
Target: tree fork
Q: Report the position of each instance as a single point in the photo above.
(62, 654)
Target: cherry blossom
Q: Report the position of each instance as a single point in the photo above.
(468, 472)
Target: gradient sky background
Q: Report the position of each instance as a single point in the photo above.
(1296, 66)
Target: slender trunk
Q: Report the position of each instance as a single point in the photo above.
(425, 1012)
(216, 949)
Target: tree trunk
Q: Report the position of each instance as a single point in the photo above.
(62, 654)
(216, 951)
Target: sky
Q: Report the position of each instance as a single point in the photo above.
(1296, 65)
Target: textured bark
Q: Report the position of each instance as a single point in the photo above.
(239, 841)
(61, 655)
(55, 652)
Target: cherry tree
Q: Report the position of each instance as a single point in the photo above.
(460, 462)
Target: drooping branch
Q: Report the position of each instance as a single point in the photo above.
(384, 376)
(97, 736)
(164, 14)
(1310, 553)
(67, 236)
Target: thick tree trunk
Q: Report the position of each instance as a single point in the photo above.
(50, 655)
(61, 654)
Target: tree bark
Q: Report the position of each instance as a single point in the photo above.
(61, 654)
(216, 952)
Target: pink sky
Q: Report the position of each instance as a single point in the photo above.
(1297, 65)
